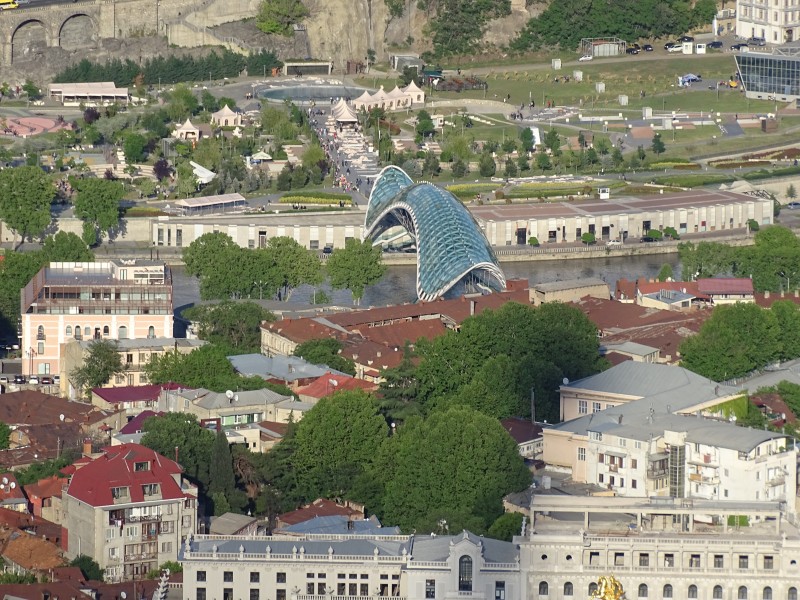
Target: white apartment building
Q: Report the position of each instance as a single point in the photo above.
(339, 567)
(659, 548)
(129, 509)
(777, 21)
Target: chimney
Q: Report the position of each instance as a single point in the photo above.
(472, 304)
(766, 294)
(378, 353)
(87, 447)
(797, 293)
(783, 294)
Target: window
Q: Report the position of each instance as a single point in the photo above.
(201, 594)
(464, 574)
(341, 589)
(166, 546)
(363, 591)
(68, 332)
(141, 466)
(582, 407)
(227, 576)
(582, 454)
(634, 464)
(499, 590)
(310, 588)
(667, 591)
(592, 588)
(253, 593)
(792, 595)
(105, 330)
(40, 348)
(150, 489)
(692, 592)
(87, 332)
(719, 561)
(255, 577)
(694, 561)
(280, 594)
(568, 589)
(742, 594)
(122, 333)
(430, 588)
(642, 590)
(280, 577)
(767, 593)
(151, 332)
(201, 576)
(119, 492)
(352, 589)
(619, 559)
(743, 561)
(644, 559)
(669, 560)
(596, 436)
(596, 407)
(717, 593)
(769, 562)
(633, 484)
(544, 589)
(321, 588)
(113, 553)
(227, 593)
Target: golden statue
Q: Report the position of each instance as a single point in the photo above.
(608, 588)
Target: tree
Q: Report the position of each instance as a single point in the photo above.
(90, 115)
(235, 324)
(430, 165)
(97, 204)
(510, 169)
(588, 238)
(170, 565)
(25, 197)
(31, 90)
(486, 165)
(527, 139)
(397, 391)
(437, 466)
(334, 441)
(506, 526)
(161, 169)
(459, 168)
(313, 156)
(671, 232)
(102, 362)
(220, 469)
(356, 266)
(187, 181)
(657, 145)
(787, 315)
(292, 265)
(65, 247)
(616, 157)
(665, 274)
(134, 147)
(180, 434)
(325, 351)
(5, 436)
(543, 161)
(278, 16)
(205, 253)
(425, 126)
(705, 259)
(533, 241)
(737, 339)
(88, 566)
(791, 192)
(753, 225)
(182, 103)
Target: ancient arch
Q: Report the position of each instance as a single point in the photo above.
(77, 31)
(29, 37)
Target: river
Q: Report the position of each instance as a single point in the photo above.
(397, 286)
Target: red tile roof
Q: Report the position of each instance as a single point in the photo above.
(37, 591)
(35, 408)
(93, 482)
(41, 528)
(773, 403)
(396, 335)
(725, 285)
(324, 386)
(133, 393)
(767, 299)
(48, 487)
(135, 424)
(10, 489)
(616, 358)
(29, 551)
(319, 508)
(522, 430)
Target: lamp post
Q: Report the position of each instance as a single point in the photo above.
(260, 285)
(30, 353)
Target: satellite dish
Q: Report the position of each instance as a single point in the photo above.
(236, 397)
(13, 485)
(2, 486)
(5, 480)
(565, 381)
(123, 595)
(61, 417)
(229, 394)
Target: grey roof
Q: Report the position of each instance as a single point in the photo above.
(129, 438)
(286, 368)
(337, 525)
(230, 523)
(151, 343)
(292, 404)
(628, 348)
(670, 296)
(210, 400)
(569, 284)
(357, 546)
(437, 548)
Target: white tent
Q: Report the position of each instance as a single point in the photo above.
(261, 155)
(342, 112)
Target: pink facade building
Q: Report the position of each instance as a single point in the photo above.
(118, 299)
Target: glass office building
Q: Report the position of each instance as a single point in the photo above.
(770, 76)
(453, 255)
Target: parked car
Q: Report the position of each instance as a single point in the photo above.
(647, 239)
(613, 243)
(647, 48)
(56, 379)
(34, 380)
(47, 380)
(793, 205)
(739, 46)
(669, 45)
(585, 57)
(686, 38)
(678, 48)
(757, 41)
(715, 44)
(631, 51)
(3, 379)
(20, 379)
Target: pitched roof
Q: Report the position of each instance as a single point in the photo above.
(115, 468)
(48, 487)
(522, 430)
(134, 393)
(29, 551)
(230, 523)
(332, 382)
(41, 528)
(35, 408)
(395, 335)
(340, 525)
(37, 591)
(285, 368)
(10, 490)
(135, 424)
(319, 508)
(725, 285)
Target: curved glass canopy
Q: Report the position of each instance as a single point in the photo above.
(451, 249)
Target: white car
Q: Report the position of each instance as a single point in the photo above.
(33, 379)
(613, 243)
(585, 57)
(678, 48)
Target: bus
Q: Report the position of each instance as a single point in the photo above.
(8, 4)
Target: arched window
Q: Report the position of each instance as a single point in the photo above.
(123, 335)
(692, 592)
(78, 334)
(151, 332)
(717, 592)
(544, 589)
(792, 595)
(592, 588)
(69, 331)
(40, 332)
(105, 329)
(742, 595)
(464, 572)
(667, 591)
(568, 588)
(642, 590)
(87, 332)
(767, 593)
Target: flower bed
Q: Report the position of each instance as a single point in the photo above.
(786, 153)
(675, 165)
(319, 200)
(734, 164)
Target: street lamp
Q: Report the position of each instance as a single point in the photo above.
(30, 353)
(260, 285)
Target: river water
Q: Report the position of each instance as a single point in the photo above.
(397, 286)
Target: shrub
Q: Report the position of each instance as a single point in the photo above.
(532, 241)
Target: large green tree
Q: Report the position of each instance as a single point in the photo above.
(355, 266)
(100, 364)
(181, 434)
(325, 351)
(398, 389)
(278, 16)
(66, 247)
(97, 205)
(88, 566)
(334, 442)
(737, 339)
(25, 197)
(787, 315)
(458, 462)
(235, 324)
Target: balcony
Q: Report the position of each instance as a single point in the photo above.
(140, 556)
(777, 480)
(656, 473)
